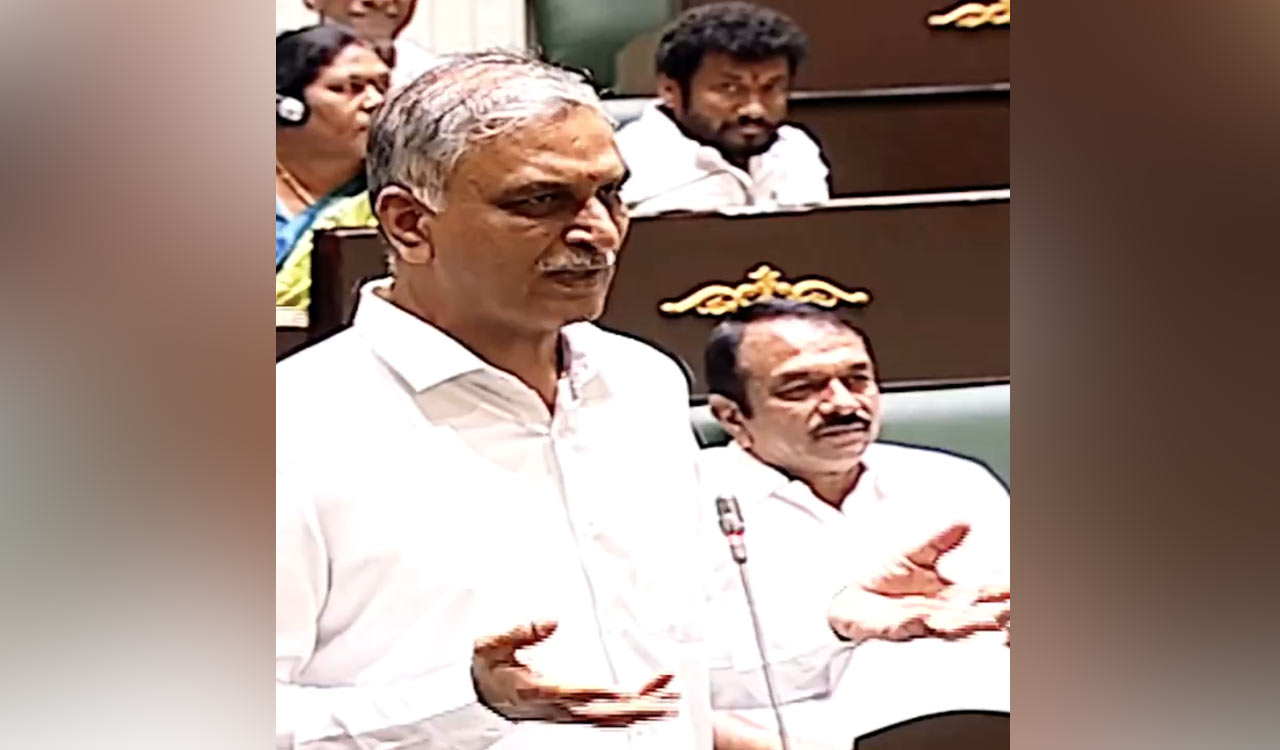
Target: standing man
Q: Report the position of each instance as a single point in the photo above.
(823, 502)
(716, 138)
(488, 524)
(380, 23)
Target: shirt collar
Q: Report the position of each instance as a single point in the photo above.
(761, 479)
(421, 354)
(755, 476)
(425, 356)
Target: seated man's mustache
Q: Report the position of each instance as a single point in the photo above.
(855, 418)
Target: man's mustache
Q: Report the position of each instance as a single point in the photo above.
(741, 121)
(580, 261)
(852, 419)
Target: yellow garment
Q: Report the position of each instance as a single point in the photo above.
(293, 280)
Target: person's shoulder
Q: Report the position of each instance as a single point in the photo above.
(723, 460)
(794, 141)
(931, 464)
(330, 397)
(328, 369)
(649, 128)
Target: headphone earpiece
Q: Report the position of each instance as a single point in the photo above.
(290, 112)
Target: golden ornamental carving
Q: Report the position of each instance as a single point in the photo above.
(973, 15)
(764, 282)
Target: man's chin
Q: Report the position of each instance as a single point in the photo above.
(745, 149)
(846, 447)
(580, 310)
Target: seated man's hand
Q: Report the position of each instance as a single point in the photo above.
(907, 598)
(517, 692)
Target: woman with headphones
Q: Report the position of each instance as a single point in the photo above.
(328, 83)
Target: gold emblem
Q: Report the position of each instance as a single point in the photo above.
(765, 282)
(973, 15)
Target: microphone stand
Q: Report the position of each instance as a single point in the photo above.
(732, 526)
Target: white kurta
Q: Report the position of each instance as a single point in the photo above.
(425, 497)
(670, 171)
(799, 547)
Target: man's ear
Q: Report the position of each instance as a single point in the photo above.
(310, 4)
(669, 92)
(729, 414)
(407, 223)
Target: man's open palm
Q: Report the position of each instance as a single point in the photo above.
(906, 597)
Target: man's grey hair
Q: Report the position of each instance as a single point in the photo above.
(418, 135)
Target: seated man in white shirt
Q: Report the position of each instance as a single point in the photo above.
(796, 387)
(716, 139)
(380, 22)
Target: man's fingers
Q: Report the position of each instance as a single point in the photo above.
(501, 647)
(957, 622)
(543, 691)
(972, 594)
(928, 553)
(656, 684)
(624, 712)
(993, 593)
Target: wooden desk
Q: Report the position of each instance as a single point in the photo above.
(855, 45)
(291, 331)
(936, 267)
(909, 140)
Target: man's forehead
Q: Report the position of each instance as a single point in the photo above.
(785, 345)
(341, 8)
(724, 64)
(575, 145)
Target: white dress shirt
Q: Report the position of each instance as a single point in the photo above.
(425, 498)
(800, 547)
(670, 171)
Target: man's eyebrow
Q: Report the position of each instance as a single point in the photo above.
(540, 186)
(536, 186)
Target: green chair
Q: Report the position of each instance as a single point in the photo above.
(969, 420)
(590, 33)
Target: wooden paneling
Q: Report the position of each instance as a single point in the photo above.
(890, 143)
(855, 44)
(938, 274)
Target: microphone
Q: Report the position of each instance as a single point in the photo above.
(732, 526)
